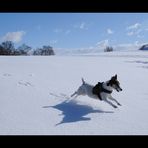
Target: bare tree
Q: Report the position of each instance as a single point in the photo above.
(45, 50)
(24, 49)
(108, 49)
(7, 48)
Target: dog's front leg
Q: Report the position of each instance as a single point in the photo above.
(110, 97)
(110, 103)
(104, 97)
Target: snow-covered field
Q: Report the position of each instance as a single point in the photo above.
(34, 90)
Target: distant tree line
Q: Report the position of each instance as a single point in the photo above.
(7, 48)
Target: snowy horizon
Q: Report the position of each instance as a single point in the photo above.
(99, 48)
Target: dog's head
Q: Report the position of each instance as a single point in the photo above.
(113, 82)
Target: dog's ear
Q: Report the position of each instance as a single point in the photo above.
(115, 76)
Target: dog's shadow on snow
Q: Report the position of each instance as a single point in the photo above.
(74, 112)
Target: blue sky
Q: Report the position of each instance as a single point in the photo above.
(74, 30)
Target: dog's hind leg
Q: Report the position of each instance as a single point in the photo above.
(75, 93)
(73, 96)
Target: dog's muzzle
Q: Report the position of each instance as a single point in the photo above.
(118, 89)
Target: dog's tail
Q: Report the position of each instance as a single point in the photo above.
(83, 81)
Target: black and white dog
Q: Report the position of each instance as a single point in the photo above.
(101, 91)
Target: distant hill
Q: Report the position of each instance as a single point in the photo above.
(144, 47)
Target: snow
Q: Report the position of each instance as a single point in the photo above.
(35, 90)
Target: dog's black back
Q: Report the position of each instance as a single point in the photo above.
(97, 88)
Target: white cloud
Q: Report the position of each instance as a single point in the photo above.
(58, 30)
(14, 36)
(130, 33)
(140, 36)
(103, 43)
(109, 31)
(82, 26)
(64, 31)
(53, 42)
(136, 43)
(38, 27)
(134, 29)
(135, 26)
(134, 32)
(67, 31)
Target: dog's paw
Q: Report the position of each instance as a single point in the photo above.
(115, 106)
